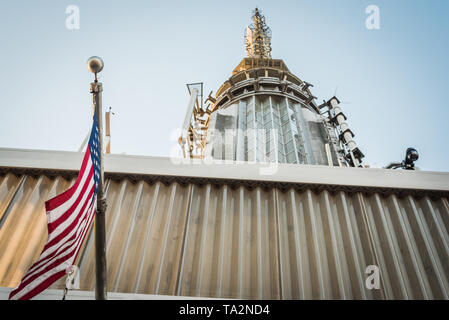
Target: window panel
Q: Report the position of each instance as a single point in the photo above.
(289, 147)
(291, 158)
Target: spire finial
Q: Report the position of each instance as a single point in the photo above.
(258, 37)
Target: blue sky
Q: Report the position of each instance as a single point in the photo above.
(392, 82)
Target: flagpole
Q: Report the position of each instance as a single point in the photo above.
(95, 65)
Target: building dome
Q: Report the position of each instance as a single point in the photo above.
(264, 113)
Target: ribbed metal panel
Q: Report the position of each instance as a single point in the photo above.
(214, 241)
(23, 224)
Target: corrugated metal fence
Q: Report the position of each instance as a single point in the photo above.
(217, 241)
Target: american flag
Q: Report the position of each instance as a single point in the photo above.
(69, 217)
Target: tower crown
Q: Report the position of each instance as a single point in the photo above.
(258, 37)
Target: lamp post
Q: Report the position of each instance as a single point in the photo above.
(95, 65)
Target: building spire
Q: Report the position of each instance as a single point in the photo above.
(258, 37)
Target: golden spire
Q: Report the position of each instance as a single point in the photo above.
(258, 37)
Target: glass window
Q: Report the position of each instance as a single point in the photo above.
(281, 157)
(266, 118)
(287, 135)
(289, 147)
(284, 118)
(280, 148)
(266, 109)
(291, 158)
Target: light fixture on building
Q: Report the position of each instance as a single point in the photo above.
(411, 155)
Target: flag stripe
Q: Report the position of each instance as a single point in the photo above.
(94, 210)
(63, 197)
(33, 273)
(44, 285)
(54, 214)
(75, 210)
(67, 214)
(69, 217)
(51, 239)
(62, 244)
(59, 239)
(59, 262)
(69, 223)
(30, 282)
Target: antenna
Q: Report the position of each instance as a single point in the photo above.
(108, 130)
(258, 37)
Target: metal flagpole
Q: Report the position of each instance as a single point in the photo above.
(95, 65)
